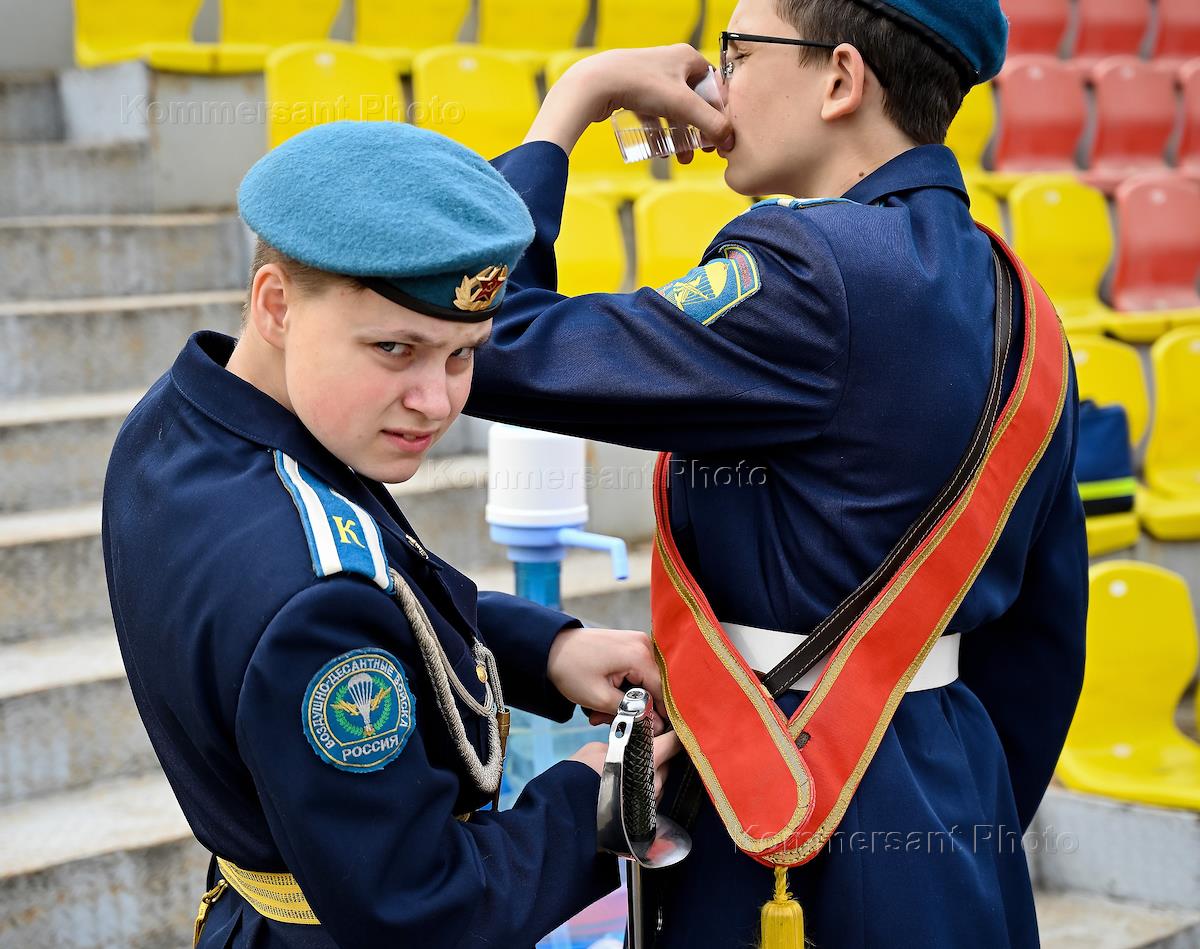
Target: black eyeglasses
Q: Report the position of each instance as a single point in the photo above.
(727, 38)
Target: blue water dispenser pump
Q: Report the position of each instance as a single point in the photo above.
(536, 508)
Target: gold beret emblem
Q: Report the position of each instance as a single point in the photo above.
(477, 293)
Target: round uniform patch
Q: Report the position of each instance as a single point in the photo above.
(358, 710)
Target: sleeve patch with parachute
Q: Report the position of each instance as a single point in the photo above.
(358, 710)
(714, 288)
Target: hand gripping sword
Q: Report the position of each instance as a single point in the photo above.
(627, 821)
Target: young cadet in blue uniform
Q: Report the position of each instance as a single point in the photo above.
(324, 693)
(818, 378)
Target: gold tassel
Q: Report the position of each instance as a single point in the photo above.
(782, 918)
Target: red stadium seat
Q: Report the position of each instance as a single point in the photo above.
(1178, 35)
(1041, 116)
(1036, 26)
(1135, 115)
(1188, 156)
(1158, 246)
(1110, 28)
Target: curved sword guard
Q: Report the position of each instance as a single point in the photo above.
(627, 820)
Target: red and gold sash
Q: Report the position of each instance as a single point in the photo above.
(781, 786)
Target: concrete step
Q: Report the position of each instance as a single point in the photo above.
(67, 718)
(69, 178)
(589, 590)
(1074, 921)
(30, 108)
(117, 255)
(109, 865)
(69, 347)
(52, 568)
(54, 451)
(1114, 850)
(51, 574)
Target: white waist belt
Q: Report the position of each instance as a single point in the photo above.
(764, 649)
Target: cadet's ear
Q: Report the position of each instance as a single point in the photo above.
(845, 85)
(268, 303)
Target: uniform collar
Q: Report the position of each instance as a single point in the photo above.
(926, 166)
(200, 375)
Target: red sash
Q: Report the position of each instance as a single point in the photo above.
(780, 803)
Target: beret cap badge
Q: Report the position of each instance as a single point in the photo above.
(476, 293)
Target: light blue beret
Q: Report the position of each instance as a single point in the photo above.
(972, 34)
(413, 215)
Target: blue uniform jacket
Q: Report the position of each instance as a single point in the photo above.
(819, 379)
(223, 622)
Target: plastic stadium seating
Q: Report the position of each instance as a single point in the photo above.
(674, 223)
(716, 19)
(1061, 227)
(1170, 505)
(113, 31)
(1041, 116)
(1158, 247)
(308, 84)
(404, 28)
(1110, 373)
(596, 164)
(590, 249)
(622, 23)
(1141, 654)
(1188, 158)
(972, 128)
(1109, 28)
(535, 28)
(250, 29)
(1037, 26)
(1178, 34)
(1135, 115)
(477, 96)
(985, 206)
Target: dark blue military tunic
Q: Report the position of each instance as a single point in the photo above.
(819, 378)
(223, 624)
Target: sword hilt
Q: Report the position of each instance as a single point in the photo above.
(627, 819)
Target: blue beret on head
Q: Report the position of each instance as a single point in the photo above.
(411, 214)
(972, 34)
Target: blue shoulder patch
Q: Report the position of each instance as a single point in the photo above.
(358, 710)
(342, 537)
(713, 289)
(797, 204)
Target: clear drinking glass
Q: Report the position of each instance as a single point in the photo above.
(640, 139)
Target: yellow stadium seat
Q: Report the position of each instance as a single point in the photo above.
(1141, 654)
(532, 28)
(590, 250)
(1170, 505)
(114, 31)
(972, 128)
(404, 28)
(1110, 373)
(716, 19)
(477, 96)
(985, 206)
(309, 84)
(622, 23)
(1061, 230)
(674, 223)
(596, 164)
(250, 30)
